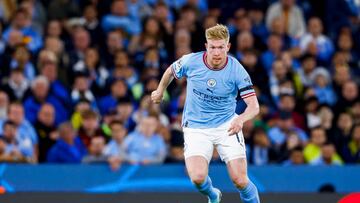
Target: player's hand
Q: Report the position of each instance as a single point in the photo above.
(156, 96)
(235, 126)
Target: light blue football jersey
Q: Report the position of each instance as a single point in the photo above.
(211, 93)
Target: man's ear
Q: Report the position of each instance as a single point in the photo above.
(206, 46)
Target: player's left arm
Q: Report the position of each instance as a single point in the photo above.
(247, 93)
(250, 112)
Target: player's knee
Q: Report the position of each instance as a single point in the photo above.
(198, 178)
(240, 182)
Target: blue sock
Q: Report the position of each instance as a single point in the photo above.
(249, 194)
(207, 189)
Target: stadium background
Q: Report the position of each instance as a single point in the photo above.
(75, 111)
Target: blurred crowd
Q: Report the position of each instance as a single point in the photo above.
(76, 76)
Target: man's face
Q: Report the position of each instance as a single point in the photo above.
(90, 123)
(118, 132)
(328, 151)
(49, 70)
(41, 90)
(315, 26)
(287, 103)
(217, 52)
(148, 126)
(16, 114)
(97, 146)
(10, 131)
(318, 137)
(297, 157)
(21, 20)
(47, 115)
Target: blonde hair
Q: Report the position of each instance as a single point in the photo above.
(217, 32)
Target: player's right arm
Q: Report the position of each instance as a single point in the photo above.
(178, 69)
(157, 95)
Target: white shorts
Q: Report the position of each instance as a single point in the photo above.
(201, 142)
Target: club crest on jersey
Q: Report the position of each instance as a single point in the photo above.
(211, 82)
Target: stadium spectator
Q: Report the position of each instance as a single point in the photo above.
(165, 16)
(81, 90)
(351, 151)
(349, 95)
(26, 134)
(261, 149)
(119, 90)
(120, 18)
(315, 42)
(322, 87)
(244, 41)
(48, 66)
(341, 75)
(91, 23)
(296, 157)
(81, 42)
(54, 28)
(274, 45)
(308, 66)
(80, 107)
(345, 44)
(312, 150)
(23, 22)
(37, 12)
(311, 111)
(96, 151)
(114, 42)
(293, 17)
(98, 73)
(115, 147)
(68, 148)
(144, 146)
(21, 60)
(288, 103)
(326, 116)
(46, 130)
(285, 126)
(341, 132)
(123, 69)
(40, 95)
(277, 27)
(56, 46)
(328, 156)
(125, 110)
(279, 81)
(257, 15)
(12, 150)
(90, 127)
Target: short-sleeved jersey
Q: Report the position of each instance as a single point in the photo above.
(211, 93)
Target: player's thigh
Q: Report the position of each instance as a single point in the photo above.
(237, 169)
(197, 143)
(230, 147)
